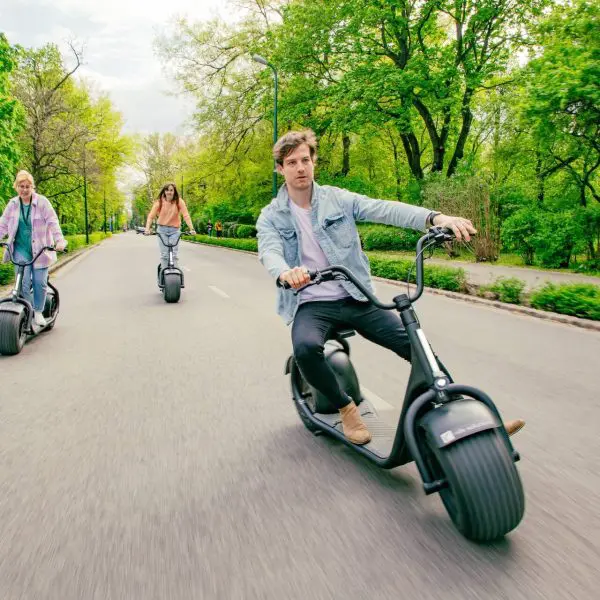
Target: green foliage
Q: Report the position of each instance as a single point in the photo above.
(589, 266)
(580, 300)
(78, 241)
(245, 231)
(556, 239)
(563, 95)
(251, 245)
(7, 272)
(69, 134)
(383, 237)
(435, 276)
(507, 289)
(11, 122)
(519, 233)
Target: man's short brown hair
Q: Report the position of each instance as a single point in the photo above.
(287, 143)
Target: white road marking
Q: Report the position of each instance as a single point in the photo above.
(377, 402)
(217, 291)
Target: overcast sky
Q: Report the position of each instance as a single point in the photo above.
(117, 36)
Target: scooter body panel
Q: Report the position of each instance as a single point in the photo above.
(456, 420)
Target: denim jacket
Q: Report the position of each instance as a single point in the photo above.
(334, 213)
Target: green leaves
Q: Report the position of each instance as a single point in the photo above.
(11, 122)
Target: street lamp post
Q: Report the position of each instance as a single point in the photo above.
(263, 61)
(87, 238)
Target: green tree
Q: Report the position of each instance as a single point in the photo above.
(564, 93)
(11, 121)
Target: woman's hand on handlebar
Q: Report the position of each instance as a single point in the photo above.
(296, 277)
(461, 227)
(61, 245)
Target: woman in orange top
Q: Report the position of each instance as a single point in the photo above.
(169, 208)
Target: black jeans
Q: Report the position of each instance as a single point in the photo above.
(314, 321)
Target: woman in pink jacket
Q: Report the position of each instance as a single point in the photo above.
(31, 223)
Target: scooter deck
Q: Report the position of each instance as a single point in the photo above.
(382, 427)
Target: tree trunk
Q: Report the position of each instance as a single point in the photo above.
(346, 154)
(540, 178)
(413, 155)
(467, 119)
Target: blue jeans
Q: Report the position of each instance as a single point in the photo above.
(39, 279)
(169, 233)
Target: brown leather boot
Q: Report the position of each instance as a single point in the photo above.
(352, 425)
(513, 426)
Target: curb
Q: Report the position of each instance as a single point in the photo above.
(61, 263)
(514, 308)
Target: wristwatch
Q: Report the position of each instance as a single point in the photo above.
(430, 217)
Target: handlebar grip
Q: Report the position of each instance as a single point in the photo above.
(286, 286)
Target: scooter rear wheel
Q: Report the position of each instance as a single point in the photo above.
(12, 332)
(50, 310)
(484, 497)
(172, 289)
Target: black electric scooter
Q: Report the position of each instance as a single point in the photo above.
(16, 313)
(453, 432)
(170, 279)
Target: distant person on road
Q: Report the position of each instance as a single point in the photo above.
(310, 227)
(209, 228)
(169, 208)
(219, 228)
(31, 223)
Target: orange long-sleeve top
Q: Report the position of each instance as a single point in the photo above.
(170, 214)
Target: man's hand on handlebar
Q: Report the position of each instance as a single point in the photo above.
(147, 231)
(296, 277)
(462, 228)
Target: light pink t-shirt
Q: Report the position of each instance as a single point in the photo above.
(312, 257)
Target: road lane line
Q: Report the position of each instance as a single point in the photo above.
(217, 291)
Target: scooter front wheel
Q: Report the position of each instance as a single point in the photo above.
(172, 289)
(13, 332)
(484, 496)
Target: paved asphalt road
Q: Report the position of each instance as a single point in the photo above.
(151, 451)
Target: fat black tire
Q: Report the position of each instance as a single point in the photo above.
(484, 497)
(172, 289)
(12, 332)
(50, 311)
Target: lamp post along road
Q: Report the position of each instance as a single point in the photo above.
(263, 61)
(85, 204)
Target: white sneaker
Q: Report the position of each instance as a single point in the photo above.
(39, 319)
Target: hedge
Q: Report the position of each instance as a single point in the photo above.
(576, 299)
(435, 276)
(506, 289)
(245, 231)
(384, 237)
(250, 244)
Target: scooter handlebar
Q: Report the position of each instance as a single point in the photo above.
(434, 236)
(25, 264)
